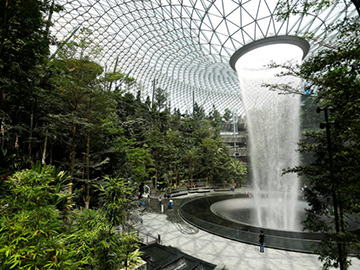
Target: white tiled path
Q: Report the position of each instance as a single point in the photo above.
(224, 252)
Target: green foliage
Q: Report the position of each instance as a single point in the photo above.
(309, 118)
(192, 158)
(286, 8)
(333, 74)
(238, 172)
(81, 47)
(33, 234)
(209, 147)
(24, 46)
(8, 163)
(227, 115)
(66, 111)
(172, 154)
(83, 117)
(215, 118)
(31, 224)
(97, 243)
(8, 166)
(222, 165)
(198, 113)
(160, 99)
(116, 200)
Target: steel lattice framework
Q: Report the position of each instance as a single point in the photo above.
(184, 46)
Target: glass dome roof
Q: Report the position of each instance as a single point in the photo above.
(184, 46)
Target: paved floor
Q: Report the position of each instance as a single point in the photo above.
(226, 254)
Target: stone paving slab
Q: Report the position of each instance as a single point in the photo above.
(224, 252)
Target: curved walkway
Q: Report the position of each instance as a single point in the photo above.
(226, 254)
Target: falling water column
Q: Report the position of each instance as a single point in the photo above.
(273, 127)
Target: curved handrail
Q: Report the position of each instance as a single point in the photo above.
(247, 236)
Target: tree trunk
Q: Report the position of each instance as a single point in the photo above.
(191, 176)
(72, 159)
(43, 162)
(2, 128)
(170, 180)
(51, 152)
(87, 198)
(156, 176)
(17, 143)
(73, 145)
(5, 28)
(30, 135)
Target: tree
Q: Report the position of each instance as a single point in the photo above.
(238, 172)
(33, 234)
(31, 225)
(202, 130)
(215, 118)
(192, 157)
(156, 146)
(172, 152)
(160, 99)
(227, 115)
(198, 113)
(222, 165)
(83, 109)
(159, 111)
(287, 7)
(24, 47)
(209, 148)
(332, 193)
(74, 96)
(136, 162)
(98, 237)
(117, 200)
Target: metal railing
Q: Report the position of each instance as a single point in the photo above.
(238, 234)
(148, 239)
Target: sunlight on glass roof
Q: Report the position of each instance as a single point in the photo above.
(184, 45)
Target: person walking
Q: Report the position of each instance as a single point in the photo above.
(262, 241)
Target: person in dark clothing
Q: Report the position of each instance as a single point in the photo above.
(262, 241)
(170, 204)
(141, 190)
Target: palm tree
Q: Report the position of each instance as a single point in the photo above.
(238, 171)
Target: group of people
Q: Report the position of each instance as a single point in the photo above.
(195, 185)
(170, 203)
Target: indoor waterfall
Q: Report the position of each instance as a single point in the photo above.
(273, 129)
